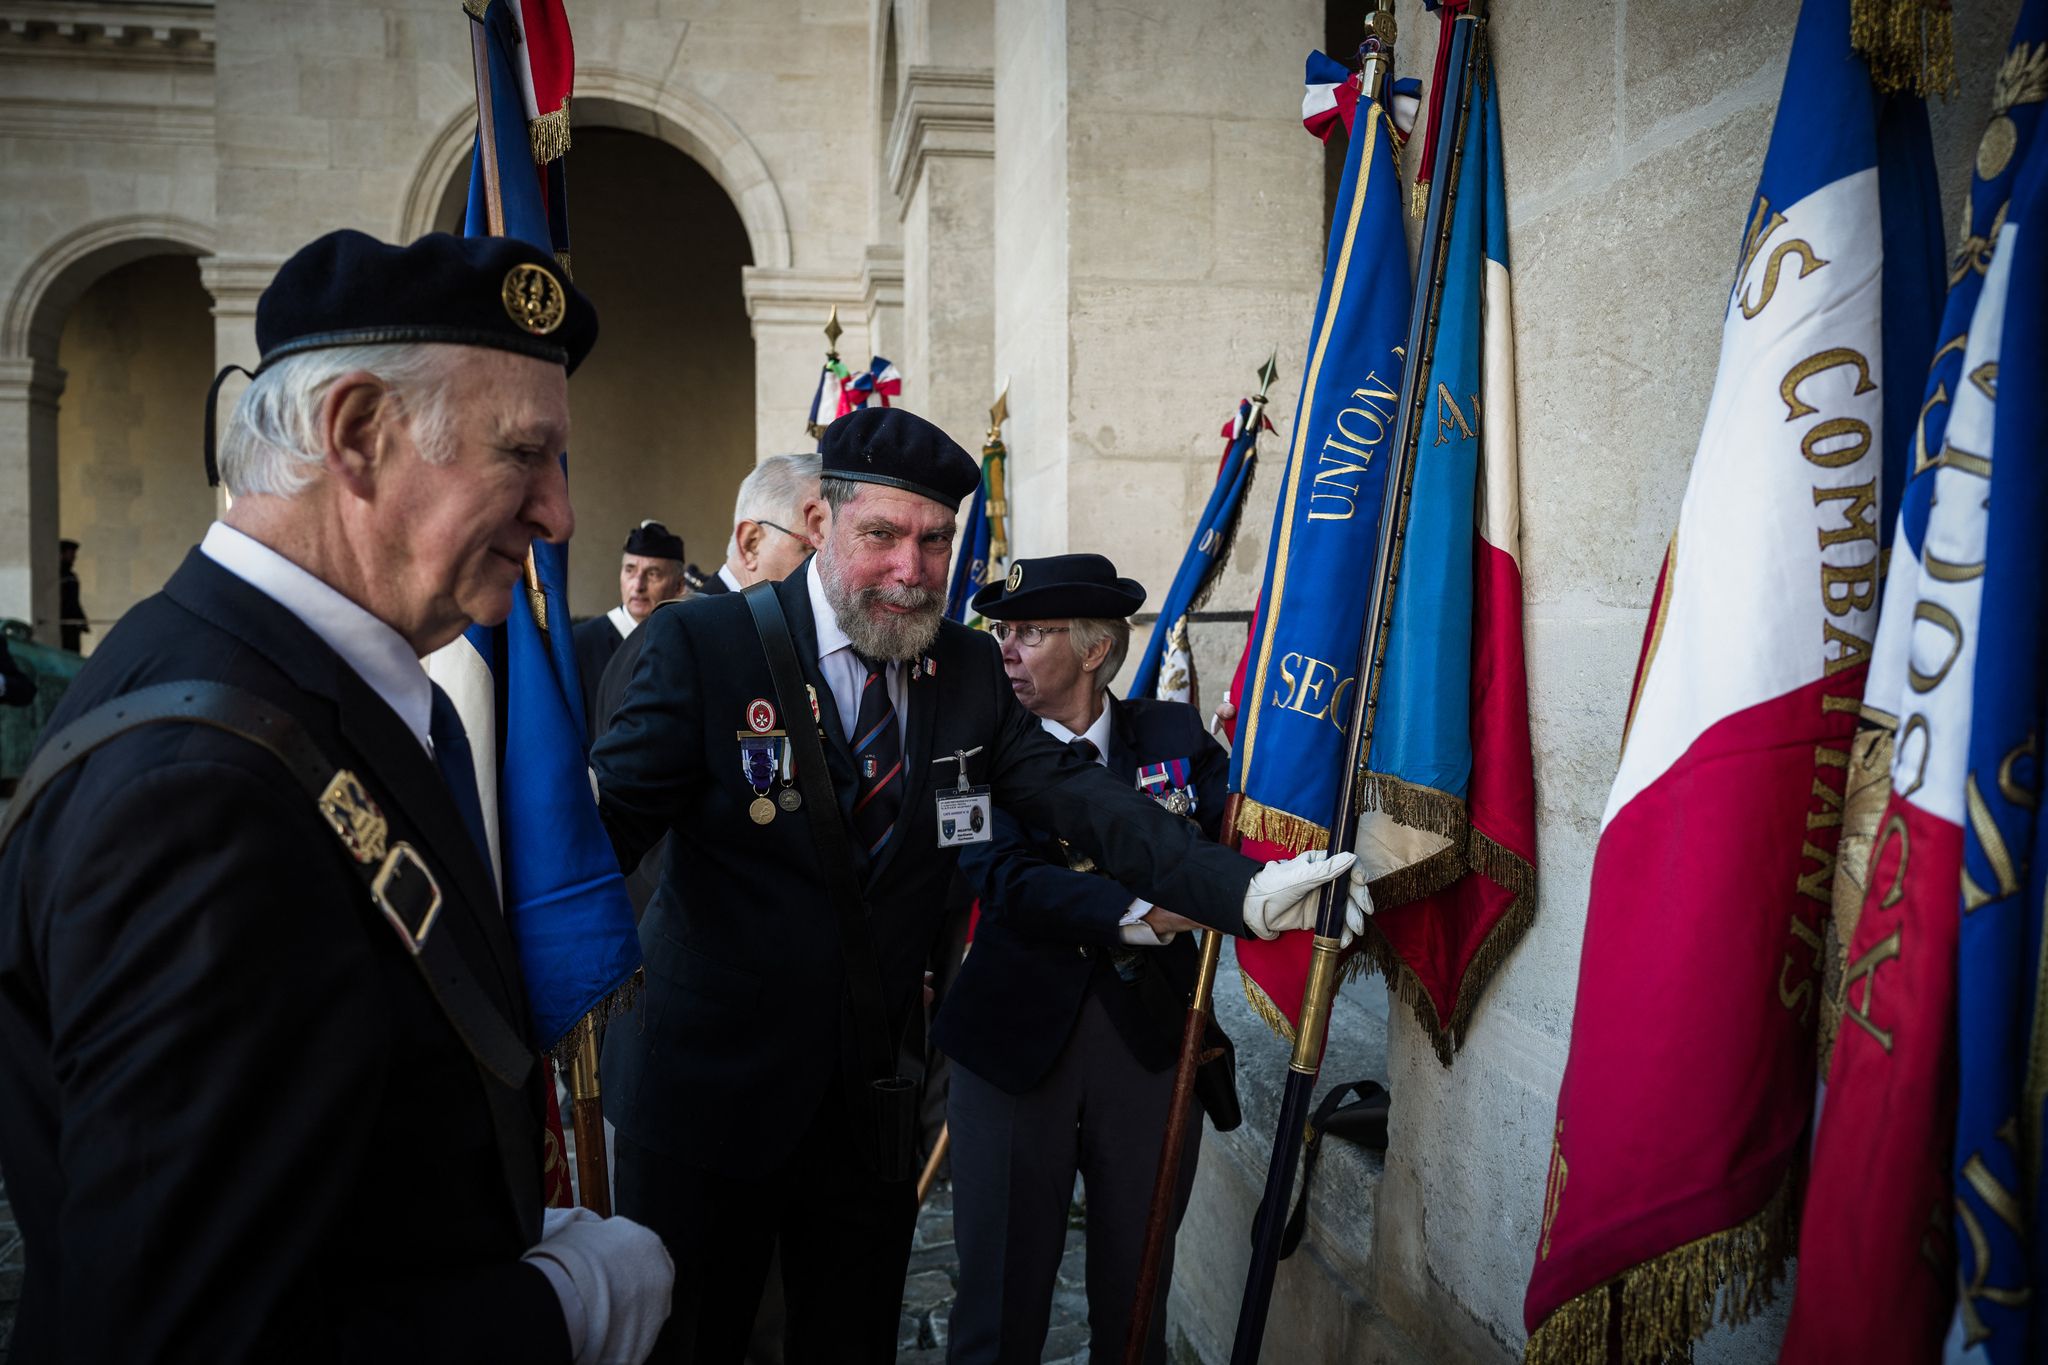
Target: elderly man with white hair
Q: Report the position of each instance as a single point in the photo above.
(768, 536)
(271, 1094)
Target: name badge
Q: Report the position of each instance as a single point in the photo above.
(964, 817)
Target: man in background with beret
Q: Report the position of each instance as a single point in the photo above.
(270, 1091)
(1065, 1022)
(650, 573)
(747, 1111)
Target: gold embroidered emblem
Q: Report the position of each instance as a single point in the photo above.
(1016, 579)
(2022, 79)
(355, 817)
(534, 299)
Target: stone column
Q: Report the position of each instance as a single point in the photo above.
(881, 293)
(235, 284)
(942, 176)
(29, 389)
(1159, 228)
(788, 308)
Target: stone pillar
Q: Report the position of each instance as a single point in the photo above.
(788, 308)
(1158, 229)
(881, 297)
(235, 284)
(29, 389)
(942, 177)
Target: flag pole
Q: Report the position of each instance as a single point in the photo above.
(1193, 1056)
(593, 1177)
(1269, 1226)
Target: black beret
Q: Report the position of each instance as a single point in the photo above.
(349, 289)
(1060, 586)
(655, 541)
(898, 448)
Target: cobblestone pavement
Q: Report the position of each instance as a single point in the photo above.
(935, 1270)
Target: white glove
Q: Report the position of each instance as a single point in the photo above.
(613, 1277)
(1282, 895)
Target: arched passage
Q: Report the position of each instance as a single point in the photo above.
(662, 413)
(40, 307)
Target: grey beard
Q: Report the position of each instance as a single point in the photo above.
(885, 637)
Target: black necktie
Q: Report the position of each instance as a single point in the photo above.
(1085, 747)
(878, 760)
(451, 756)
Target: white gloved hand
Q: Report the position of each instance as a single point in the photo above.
(620, 1277)
(1282, 896)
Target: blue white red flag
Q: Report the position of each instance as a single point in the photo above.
(1682, 1117)
(828, 401)
(880, 382)
(1889, 1121)
(1166, 668)
(516, 685)
(984, 538)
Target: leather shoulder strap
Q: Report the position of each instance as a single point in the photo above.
(402, 887)
(835, 851)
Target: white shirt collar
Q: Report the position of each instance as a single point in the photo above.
(729, 578)
(831, 639)
(366, 644)
(622, 620)
(1098, 733)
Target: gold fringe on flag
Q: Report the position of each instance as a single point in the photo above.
(1263, 1006)
(1373, 953)
(475, 8)
(606, 1010)
(549, 134)
(1291, 832)
(1418, 198)
(1668, 1301)
(1910, 44)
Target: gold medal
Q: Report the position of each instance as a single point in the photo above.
(762, 809)
(788, 799)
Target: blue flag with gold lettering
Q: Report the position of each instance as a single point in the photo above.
(1319, 560)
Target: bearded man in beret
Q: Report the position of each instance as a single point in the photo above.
(787, 941)
(270, 1090)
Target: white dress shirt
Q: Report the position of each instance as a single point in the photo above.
(729, 578)
(373, 649)
(843, 670)
(622, 620)
(1134, 932)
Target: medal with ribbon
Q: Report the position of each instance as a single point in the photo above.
(1170, 784)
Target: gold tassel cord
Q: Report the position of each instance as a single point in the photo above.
(1668, 1302)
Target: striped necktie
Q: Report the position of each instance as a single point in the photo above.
(878, 760)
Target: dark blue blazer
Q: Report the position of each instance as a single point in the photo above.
(744, 1023)
(236, 1125)
(1045, 929)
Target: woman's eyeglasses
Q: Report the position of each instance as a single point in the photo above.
(1031, 637)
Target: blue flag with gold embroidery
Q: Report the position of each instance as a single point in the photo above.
(1319, 561)
(2001, 1212)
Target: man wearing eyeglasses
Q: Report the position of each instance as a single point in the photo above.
(1065, 1022)
(763, 546)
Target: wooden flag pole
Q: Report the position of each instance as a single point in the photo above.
(586, 1104)
(1193, 1053)
(1268, 1229)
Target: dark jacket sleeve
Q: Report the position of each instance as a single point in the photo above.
(652, 755)
(1138, 842)
(215, 1029)
(1038, 899)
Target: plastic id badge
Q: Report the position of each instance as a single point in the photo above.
(963, 816)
